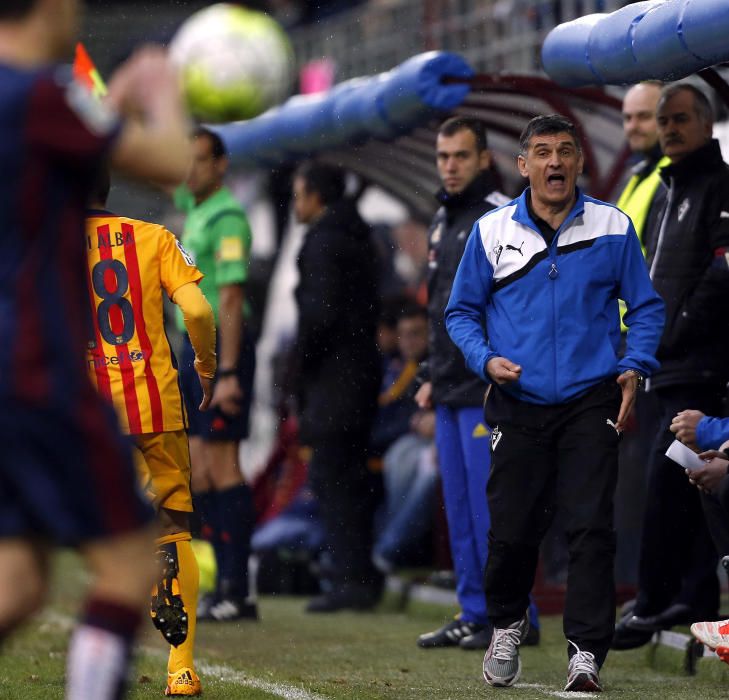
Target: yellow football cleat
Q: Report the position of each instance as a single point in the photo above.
(184, 682)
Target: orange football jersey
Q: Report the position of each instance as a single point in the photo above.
(130, 264)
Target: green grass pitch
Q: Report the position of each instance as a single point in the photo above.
(362, 656)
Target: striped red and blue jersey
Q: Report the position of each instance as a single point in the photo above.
(66, 472)
(130, 264)
(54, 137)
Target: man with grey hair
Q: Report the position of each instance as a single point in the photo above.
(687, 241)
(534, 310)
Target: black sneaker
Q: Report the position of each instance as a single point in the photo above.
(626, 637)
(450, 635)
(477, 640)
(676, 614)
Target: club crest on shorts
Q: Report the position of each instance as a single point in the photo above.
(495, 438)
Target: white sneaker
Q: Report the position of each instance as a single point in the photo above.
(501, 664)
(582, 672)
(714, 635)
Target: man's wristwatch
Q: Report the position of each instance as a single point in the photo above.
(638, 376)
(227, 372)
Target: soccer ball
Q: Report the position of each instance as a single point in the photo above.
(235, 62)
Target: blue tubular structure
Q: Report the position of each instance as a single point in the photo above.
(661, 39)
(383, 107)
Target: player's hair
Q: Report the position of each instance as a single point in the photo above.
(545, 125)
(217, 147)
(16, 9)
(702, 106)
(101, 187)
(326, 180)
(476, 126)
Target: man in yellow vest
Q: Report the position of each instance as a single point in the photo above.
(641, 132)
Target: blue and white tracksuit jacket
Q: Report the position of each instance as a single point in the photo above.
(554, 309)
(712, 433)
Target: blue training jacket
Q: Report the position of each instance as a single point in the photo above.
(554, 310)
(712, 433)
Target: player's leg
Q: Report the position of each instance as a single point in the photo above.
(166, 458)
(23, 581)
(181, 676)
(234, 506)
(123, 570)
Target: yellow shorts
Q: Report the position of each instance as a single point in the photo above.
(163, 465)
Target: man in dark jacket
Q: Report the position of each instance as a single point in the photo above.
(468, 192)
(338, 378)
(687, 238)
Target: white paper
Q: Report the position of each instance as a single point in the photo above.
(684, 456)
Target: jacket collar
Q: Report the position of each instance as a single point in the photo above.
(521, 213)
(708, 157)
(483, 184)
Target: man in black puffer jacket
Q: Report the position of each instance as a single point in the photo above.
(338, 378)
(687, 241)
(462, 437)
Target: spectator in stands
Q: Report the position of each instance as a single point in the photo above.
(409, 468)
(463, 161)
(396, 404)
(338, 378)
(534, 311)
(686, 236)
(390, 311)
(411, 257)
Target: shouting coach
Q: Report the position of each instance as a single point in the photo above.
(534, 309)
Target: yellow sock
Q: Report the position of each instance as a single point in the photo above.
(189, 580)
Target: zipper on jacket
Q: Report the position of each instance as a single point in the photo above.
(552, 275)
(664, 224)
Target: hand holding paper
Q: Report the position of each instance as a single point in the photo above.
(684, 456)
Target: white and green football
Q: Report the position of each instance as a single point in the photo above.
(235, 62)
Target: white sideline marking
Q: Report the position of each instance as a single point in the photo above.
(289, 692)
(554, 693)
(223, 673)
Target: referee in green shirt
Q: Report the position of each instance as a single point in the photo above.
(217, 236)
